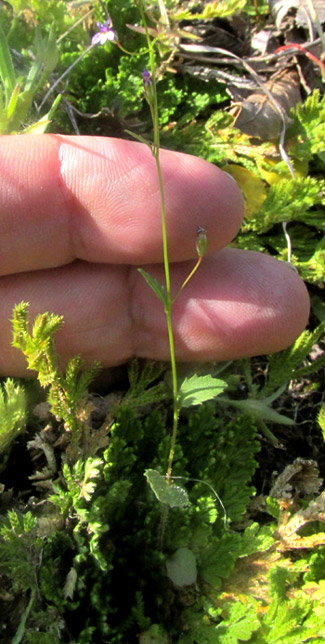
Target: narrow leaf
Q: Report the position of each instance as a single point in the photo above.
(259, 410)
(18, 637)
(157, 288)
(13, 101)
(7, 72)
(40, 126)
(139, 138)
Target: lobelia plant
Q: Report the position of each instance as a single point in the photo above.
(195, 390)
(84, 561)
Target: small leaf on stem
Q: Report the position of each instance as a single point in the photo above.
(198, 389)
(166, 492)
(157, 288)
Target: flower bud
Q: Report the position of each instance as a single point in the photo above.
(148, 87)
(201, 242)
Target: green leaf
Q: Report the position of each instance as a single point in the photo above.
(321, 419)
(173, 495)
(13, 101)
(70, 583)
(259, 410)
(242, 623)
(7, 72)
(40, 126)
(181, 567)
(12, 413)
(22, 625)
(140, 138)
(47, 50)
(157, 288)
(198, 389)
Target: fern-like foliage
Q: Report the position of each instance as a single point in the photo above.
(210, 11)
(101, 572)
(290, 200)
(288, 364)
(307, 134)
(66, 390)
(12, 414)
(38, 345)
(321, 419)
(145, 382)
(116, 570)
(20, 550)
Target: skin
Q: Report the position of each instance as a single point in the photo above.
(79, 215)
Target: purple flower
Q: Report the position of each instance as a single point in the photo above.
(147, 80)
(149, 91)
(105, 33)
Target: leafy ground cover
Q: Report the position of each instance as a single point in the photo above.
(239, 555)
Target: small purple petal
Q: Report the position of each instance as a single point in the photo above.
(111, 35)
(147, 80)
(148, 87)
(108, 35)
(103, 26)
(96, 38)
(105, 33)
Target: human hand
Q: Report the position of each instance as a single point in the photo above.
(79, 215)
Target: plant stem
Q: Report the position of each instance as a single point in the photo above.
(188, 279)
(168, 306)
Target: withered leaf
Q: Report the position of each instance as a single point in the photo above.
(260, 117)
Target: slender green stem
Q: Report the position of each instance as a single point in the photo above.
(131, 53)
(140, 53)
(168, 306)
(187, 279)
(153, 102)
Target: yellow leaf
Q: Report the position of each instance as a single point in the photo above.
(251, 186)
(37, 128)
(300, 168)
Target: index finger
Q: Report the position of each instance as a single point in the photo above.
(64, 198)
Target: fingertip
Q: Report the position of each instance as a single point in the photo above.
(98, 199)
(118, 187)
(213, 202)
(294, 303)
(239, 304)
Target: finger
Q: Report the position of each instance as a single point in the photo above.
(98, 199)
(94, 300)
(238, 304)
